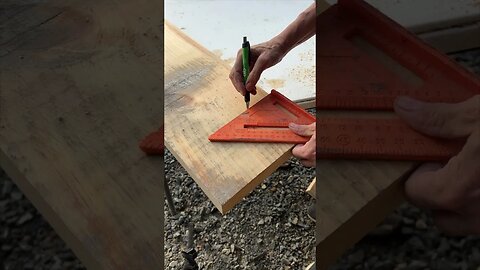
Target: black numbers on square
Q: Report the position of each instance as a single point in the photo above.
(380, 141)
(343, 139)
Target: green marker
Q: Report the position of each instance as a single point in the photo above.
(246, 67)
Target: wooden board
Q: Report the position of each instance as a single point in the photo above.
(80, 85)
(312, 188)
(199, 99)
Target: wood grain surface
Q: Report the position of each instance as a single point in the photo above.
(80, 85)
(199, 99)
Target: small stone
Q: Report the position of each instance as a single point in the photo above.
(407, 231)
(6, 247)
(443, 247)
(25, 246)
(24, 218)
(382, 230)
(417, 265)
(7, 188)
(16, 195)
(294, 221)
(261, 222)
(408, 221)
(268, 219)
(458, 244)
(264, 186)
(173, 264)
(475, 256)
(226, 251)
(356, 257)
(421, 224)
(416, 243)
(401, 266)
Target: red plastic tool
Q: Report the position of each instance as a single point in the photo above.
(379, 139)
(266, 121)
(366, 60)
(153, 143)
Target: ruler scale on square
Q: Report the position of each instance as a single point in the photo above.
(379, 139)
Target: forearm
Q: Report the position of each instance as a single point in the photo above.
(299, 30)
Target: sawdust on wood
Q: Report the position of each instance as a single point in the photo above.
(304, 74)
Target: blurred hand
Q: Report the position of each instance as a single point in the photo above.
(306, 153)
(262, 56)
(452, 190)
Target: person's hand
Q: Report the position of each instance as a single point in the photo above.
(451, 190)
(306, 153)
(262, 56)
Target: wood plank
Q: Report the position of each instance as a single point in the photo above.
(312, 188)
(199, 99)
(80, 85)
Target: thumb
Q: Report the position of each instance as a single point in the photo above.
(436, 187)
(302, 130)
(440, 119)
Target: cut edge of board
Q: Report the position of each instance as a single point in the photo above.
(228, 205)
(48, 212)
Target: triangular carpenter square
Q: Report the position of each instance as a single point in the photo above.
(366, 60)
(266, 121)
(153, 143)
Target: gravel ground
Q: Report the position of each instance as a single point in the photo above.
(267, 230)
(26, 240)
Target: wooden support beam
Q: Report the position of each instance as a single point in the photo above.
(312, 188)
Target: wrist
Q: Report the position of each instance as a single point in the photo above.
(282, 44)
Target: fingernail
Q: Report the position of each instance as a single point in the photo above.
(408, 103)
